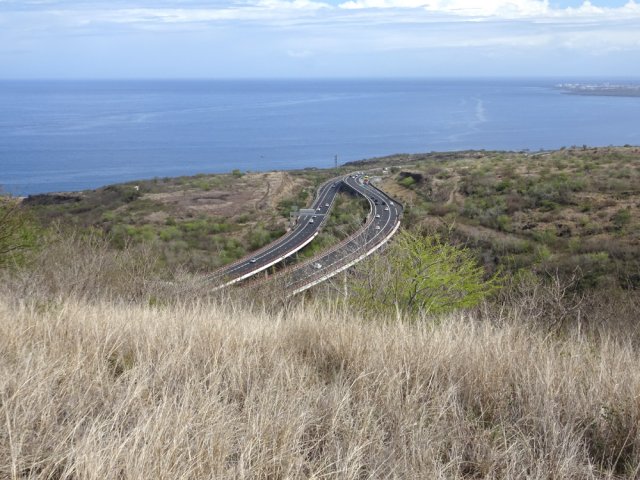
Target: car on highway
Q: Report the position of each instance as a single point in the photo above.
(326, 205)
(378, 215)
(253, 260)
(317, 266)
(386, 209)
(311, 221)
(377, 227)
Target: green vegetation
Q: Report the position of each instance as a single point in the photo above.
(422, 275)
(407, 182)
(574, 210)
(549, 211)
(18, 233)
(196, 223)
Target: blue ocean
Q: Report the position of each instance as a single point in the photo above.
(73, 135)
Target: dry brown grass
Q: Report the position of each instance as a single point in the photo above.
(109, 390)
(87, 267)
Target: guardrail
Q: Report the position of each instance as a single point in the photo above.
(311, 280)
(370, 219)
(264, 267)
(304, 284)
(220, 272)
(346, 266)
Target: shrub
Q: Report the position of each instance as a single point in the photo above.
(621, 218)
(407, 182)
(423, 274)
(170, 233)
(18, 232)
(258, 237)
(504, 223)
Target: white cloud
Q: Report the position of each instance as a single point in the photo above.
(307, 28)
(360, 11)
(299, 53)
(503, 9)
(508, 8)
(367, 12)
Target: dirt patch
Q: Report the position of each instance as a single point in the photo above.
(157, 217)
(404, 195)
(480, 234)
(278, 185)
(256, 191)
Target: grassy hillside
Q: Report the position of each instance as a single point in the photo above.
(201, 222)
(216, 390)
(573, 210)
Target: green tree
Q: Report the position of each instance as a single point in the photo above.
(18, 233)
(422, 274)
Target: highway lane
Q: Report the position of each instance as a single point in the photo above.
(305, 230)
(381, 225)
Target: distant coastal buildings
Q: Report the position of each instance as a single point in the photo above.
(606, 89)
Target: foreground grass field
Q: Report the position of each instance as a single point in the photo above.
(113, 390)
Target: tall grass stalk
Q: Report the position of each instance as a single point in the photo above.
(102, 389)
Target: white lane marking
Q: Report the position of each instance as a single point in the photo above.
(341, 245)
(348, 265)
(353, 241)
(264, 267)
(367, 241)
(277, 245)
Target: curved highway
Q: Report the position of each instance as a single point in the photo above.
(305, 230)
(381, 225)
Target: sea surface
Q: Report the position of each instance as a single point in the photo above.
(72, 135)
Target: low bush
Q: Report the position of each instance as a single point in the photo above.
(18, 233)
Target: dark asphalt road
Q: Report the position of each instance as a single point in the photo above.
(384, 221)
(303, 232)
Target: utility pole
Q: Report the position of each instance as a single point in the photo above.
(336, 161)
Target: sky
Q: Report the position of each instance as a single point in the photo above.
(107, 39)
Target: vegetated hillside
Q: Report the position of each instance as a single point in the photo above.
(200, 222)
(114, 366)
(574, 210)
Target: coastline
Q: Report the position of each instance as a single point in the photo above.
(601, 90)
(397, 159)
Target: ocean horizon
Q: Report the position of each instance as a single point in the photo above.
(60, 135)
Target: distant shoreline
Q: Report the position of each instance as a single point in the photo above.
(601, 90)
(376, 162)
